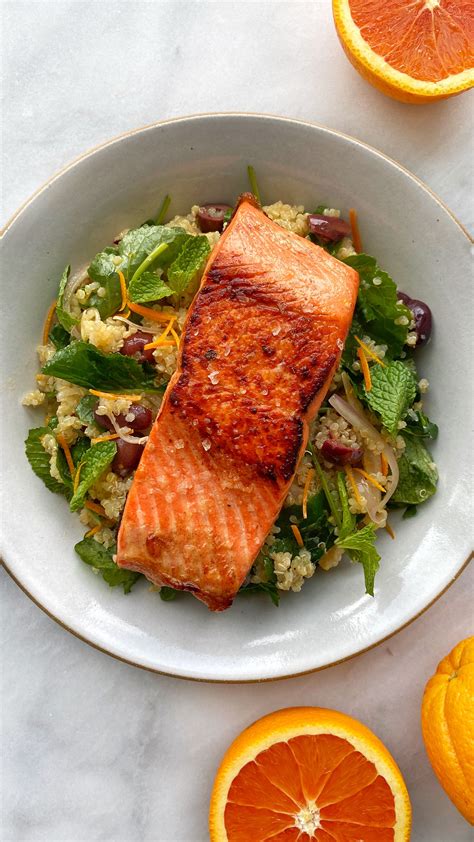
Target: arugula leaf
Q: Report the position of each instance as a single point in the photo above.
(85, 409)
(39, 459)
(101, 559)
(138, 244)
(93, 464)
(419, 425)
(190, 260)
(418, 474)
(168, 594)
(148, 287)
(59, 336)
(360, 547)
(84, 365)
(378, 303)
(392, 393)
(268, 588)
(64, 318)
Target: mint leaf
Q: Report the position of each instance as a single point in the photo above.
(392, 393)
(40, 460)
(189, 262)
(79, 449)
(101, 559)
(377, 304)
(138, 243)
(59, 336)
(420, 426)
(148, 287)
(360, 547)
(85, 409)
(94, 462)
(418, 474)
(84, 365)
(168, 594)
(268, 588)
(109, 303)
(348, 519)
(104, 265)
(63, 316)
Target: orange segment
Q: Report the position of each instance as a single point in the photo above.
(311, 775)
(415, 51)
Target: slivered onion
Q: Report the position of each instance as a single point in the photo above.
(134, 324)
(125, 436)
(360, 422)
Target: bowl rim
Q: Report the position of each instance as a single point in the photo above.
(213, 116)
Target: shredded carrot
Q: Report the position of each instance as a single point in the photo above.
(76, 478)
(95, 507)
(175, 336)
(113, 396)
(350, 477)
(307, 483)
(63, 443)
(357, 242)
(365, 369)
(93, 530)
(296, 532)
(383, 465)
(162, 337)
(168, 343)
(47, 322)
(369, 351)
(148, 313)
(390, 531)
(123, 290)
(370, 479)
(105, 438)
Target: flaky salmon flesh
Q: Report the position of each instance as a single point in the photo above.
(260, 346)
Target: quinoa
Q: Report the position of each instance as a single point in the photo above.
(291, 217)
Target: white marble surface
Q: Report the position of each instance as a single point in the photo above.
(94, 749)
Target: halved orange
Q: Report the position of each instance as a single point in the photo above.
(416, 51)
(305, 774)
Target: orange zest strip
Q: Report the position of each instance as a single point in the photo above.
(175, 337)
(168, 343)
(95, 507)
(383, 465)
(148, 313)
(113, 396)
(307, 483)
(47, 322)
(356, 240)
(370, 479)
(76, 478)
(123, 290)
(296, 532)
(125, 313)
(390, 531)
(162, 337)
(110, 437)
(369, 351)
(93, 530)
(350, 477)
(64, 445)
(365, 369)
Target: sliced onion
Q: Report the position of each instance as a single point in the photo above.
(125, 436)
(359, 421)
(134, 324)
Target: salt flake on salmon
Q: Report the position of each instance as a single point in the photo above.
(260, 346)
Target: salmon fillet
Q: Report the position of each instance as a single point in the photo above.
(260, 346)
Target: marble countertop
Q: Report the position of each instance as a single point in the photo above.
(94, 749)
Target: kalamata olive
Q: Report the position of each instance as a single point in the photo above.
(422, 316)
(133, 347)
(340, 454)
(328, 228)
(211, 217)
(127, 457)
(142, 418)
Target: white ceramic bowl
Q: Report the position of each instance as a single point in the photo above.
(201, 159)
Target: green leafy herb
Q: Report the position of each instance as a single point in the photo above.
(378, 304)
(109, 303)
(418, 474)
(360, 547)
(348, 519)
(160, 217)
(268, 588)
(104, 265)
(168, 594)
(139, 243)
(94, 462)
(420, 426)
(324, 485)
(253, 184)
(85, 409)
(148, 287)
(79, 449)
(187, 265)
(316, 532)
(320, 209)
(39, 459)
(53, 421)
(59, 336)
(409, 512)
(101, 559)
(64, 472)
(84, 365)
(63, 316)
(392, 393)
(228, 215)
